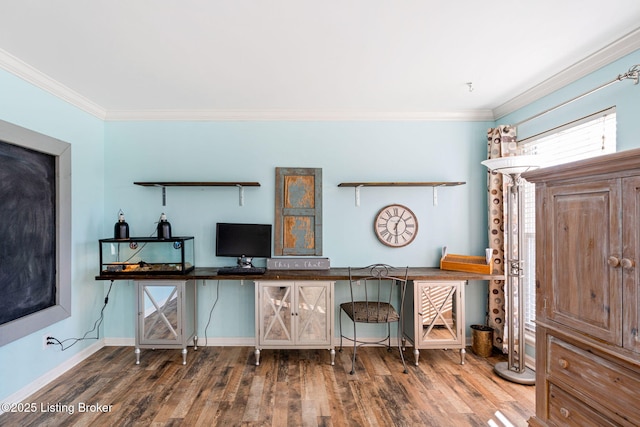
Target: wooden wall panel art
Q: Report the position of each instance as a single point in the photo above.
(298, 216)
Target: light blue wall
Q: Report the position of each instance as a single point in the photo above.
(250, 151)
(24, 360)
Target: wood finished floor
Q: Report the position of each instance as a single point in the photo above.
(221, 386)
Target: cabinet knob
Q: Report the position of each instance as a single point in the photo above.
(565, 412)
(627, 263)
(563, 363)
(613, 261)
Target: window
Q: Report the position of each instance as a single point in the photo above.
(591, 136)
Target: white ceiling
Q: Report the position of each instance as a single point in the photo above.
(304, 58)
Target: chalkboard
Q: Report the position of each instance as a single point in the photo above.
(27, 231)
(35, 231)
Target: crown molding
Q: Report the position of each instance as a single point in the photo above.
(612, 52)
(31, 75)
(289, 115)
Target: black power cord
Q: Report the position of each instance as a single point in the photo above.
(96, 328)
(211, 313)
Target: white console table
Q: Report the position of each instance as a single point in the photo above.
(433, 316)
(294, 314)
(166, 315)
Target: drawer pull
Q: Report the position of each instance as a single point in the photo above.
(565, 412)
(563, 363)
(613, 261)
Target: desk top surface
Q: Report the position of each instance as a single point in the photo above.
(334, 273)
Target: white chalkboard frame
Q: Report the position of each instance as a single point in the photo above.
(26, 325)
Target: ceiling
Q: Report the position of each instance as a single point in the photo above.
(305, 59)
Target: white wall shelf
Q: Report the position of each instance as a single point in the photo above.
(165, 184)
(433, 184)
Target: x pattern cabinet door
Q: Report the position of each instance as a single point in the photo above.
(434, 316)
(437, 320)
(276, 314)
(313, 326)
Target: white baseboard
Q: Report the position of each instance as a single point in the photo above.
(54, 373)
(210, 342)
(227, 342)
(119, 342)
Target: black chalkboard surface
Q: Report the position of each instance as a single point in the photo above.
(27, 231)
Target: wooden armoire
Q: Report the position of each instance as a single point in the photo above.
(588, 292)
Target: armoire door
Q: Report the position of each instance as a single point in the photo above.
(629, 262)
(583, 230)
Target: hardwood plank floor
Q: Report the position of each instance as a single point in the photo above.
(222, 386)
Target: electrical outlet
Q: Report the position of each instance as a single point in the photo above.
(44, 341)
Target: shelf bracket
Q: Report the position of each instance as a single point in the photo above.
(435, 193)
(240, 194)
(357, 190)
(164, 193)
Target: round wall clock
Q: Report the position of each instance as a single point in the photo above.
(395, 225)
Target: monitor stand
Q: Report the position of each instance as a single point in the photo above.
(245, 262)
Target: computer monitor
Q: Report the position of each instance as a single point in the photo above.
(243, 241)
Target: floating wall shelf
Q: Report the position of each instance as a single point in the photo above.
(164, 185)
(434, 185)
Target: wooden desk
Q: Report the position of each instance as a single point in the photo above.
(338, 273)
(418, 326)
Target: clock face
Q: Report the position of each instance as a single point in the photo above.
(395, 225)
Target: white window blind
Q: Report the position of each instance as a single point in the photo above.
(591, 136)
